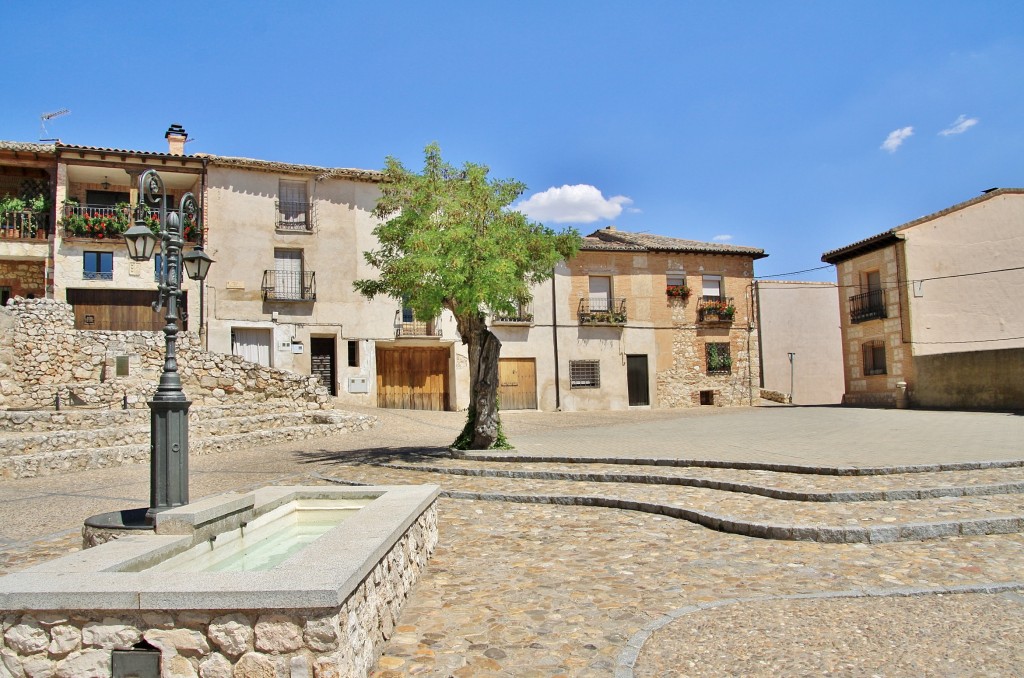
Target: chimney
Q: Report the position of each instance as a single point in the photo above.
(176, 136)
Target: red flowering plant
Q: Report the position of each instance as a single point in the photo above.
(95, 222)
(677, 292)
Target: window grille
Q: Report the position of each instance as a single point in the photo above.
(718, 358)
(584, 374)
(874, 357)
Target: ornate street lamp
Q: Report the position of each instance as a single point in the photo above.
(168, 464)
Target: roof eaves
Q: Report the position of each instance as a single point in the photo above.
(891, 236)
(373, 176)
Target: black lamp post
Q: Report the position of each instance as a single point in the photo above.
(168, 464)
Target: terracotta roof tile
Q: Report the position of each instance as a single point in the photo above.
(612, 239)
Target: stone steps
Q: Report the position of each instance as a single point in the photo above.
(987, 498)
(52, 453)
(136, 430)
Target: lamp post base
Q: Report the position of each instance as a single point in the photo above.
(168, 460)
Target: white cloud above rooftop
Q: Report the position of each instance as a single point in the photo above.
(580, 203)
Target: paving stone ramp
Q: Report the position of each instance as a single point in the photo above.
(40, 443)
(801, 503)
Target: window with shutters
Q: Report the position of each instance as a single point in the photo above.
(874, 357)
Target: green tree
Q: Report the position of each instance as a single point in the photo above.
(448, 240)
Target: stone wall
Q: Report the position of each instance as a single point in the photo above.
(42, 356)
(343, 641)
(681, 385)
(982, 380)
(23, 277)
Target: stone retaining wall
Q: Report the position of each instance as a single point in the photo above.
(343, 641)
(42, 356)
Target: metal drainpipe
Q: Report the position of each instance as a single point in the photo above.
(554, 338)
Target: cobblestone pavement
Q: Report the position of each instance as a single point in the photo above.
(519, 589)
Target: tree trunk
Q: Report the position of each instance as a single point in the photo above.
(484, 349)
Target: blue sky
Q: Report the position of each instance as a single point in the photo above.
(797, 127)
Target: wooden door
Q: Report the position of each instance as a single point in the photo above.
(637, 380)
(412, 378)
(517, 383)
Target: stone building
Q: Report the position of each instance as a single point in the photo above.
(633, 321)
(636, 320)
(930, 310)
(27, 191)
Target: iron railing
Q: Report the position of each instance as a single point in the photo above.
(601, 311)
(418, 328)
(522, 315)
(24, 224)
(100, 222)
(867, 306)
(294, 216)
(289, 285)
(716, 308)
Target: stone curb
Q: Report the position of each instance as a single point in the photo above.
(880, 534)
(727, 486)
(744, 465)
(626, 660)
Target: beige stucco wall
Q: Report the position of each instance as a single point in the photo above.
(953, 312)
(802, 318)
(242, 240)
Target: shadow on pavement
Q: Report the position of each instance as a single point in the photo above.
(375, 455)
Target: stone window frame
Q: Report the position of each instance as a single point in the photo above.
(873, 358)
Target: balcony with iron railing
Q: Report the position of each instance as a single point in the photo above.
(522, 315)
(716, 309)
(867, 306)
(25, 225)
(601, 311)
(294, 216)
(418, 328)
(289, 285)
(101, 222)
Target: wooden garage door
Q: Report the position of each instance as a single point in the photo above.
(120, 310)
(517, 383)
(413, 378)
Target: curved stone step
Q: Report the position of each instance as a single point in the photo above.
(776, 485)
(746, 514)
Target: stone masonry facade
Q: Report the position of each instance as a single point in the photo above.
(342, 642)
(42, 356)
(23, 278)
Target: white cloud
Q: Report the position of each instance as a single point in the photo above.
(581, 203)
(722, 238)
(959, 126)
(896, 138)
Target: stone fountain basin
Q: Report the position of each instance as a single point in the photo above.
(112, 576)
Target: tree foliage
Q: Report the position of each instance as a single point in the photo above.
(449, 240)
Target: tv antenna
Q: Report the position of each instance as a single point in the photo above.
(49, 116)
